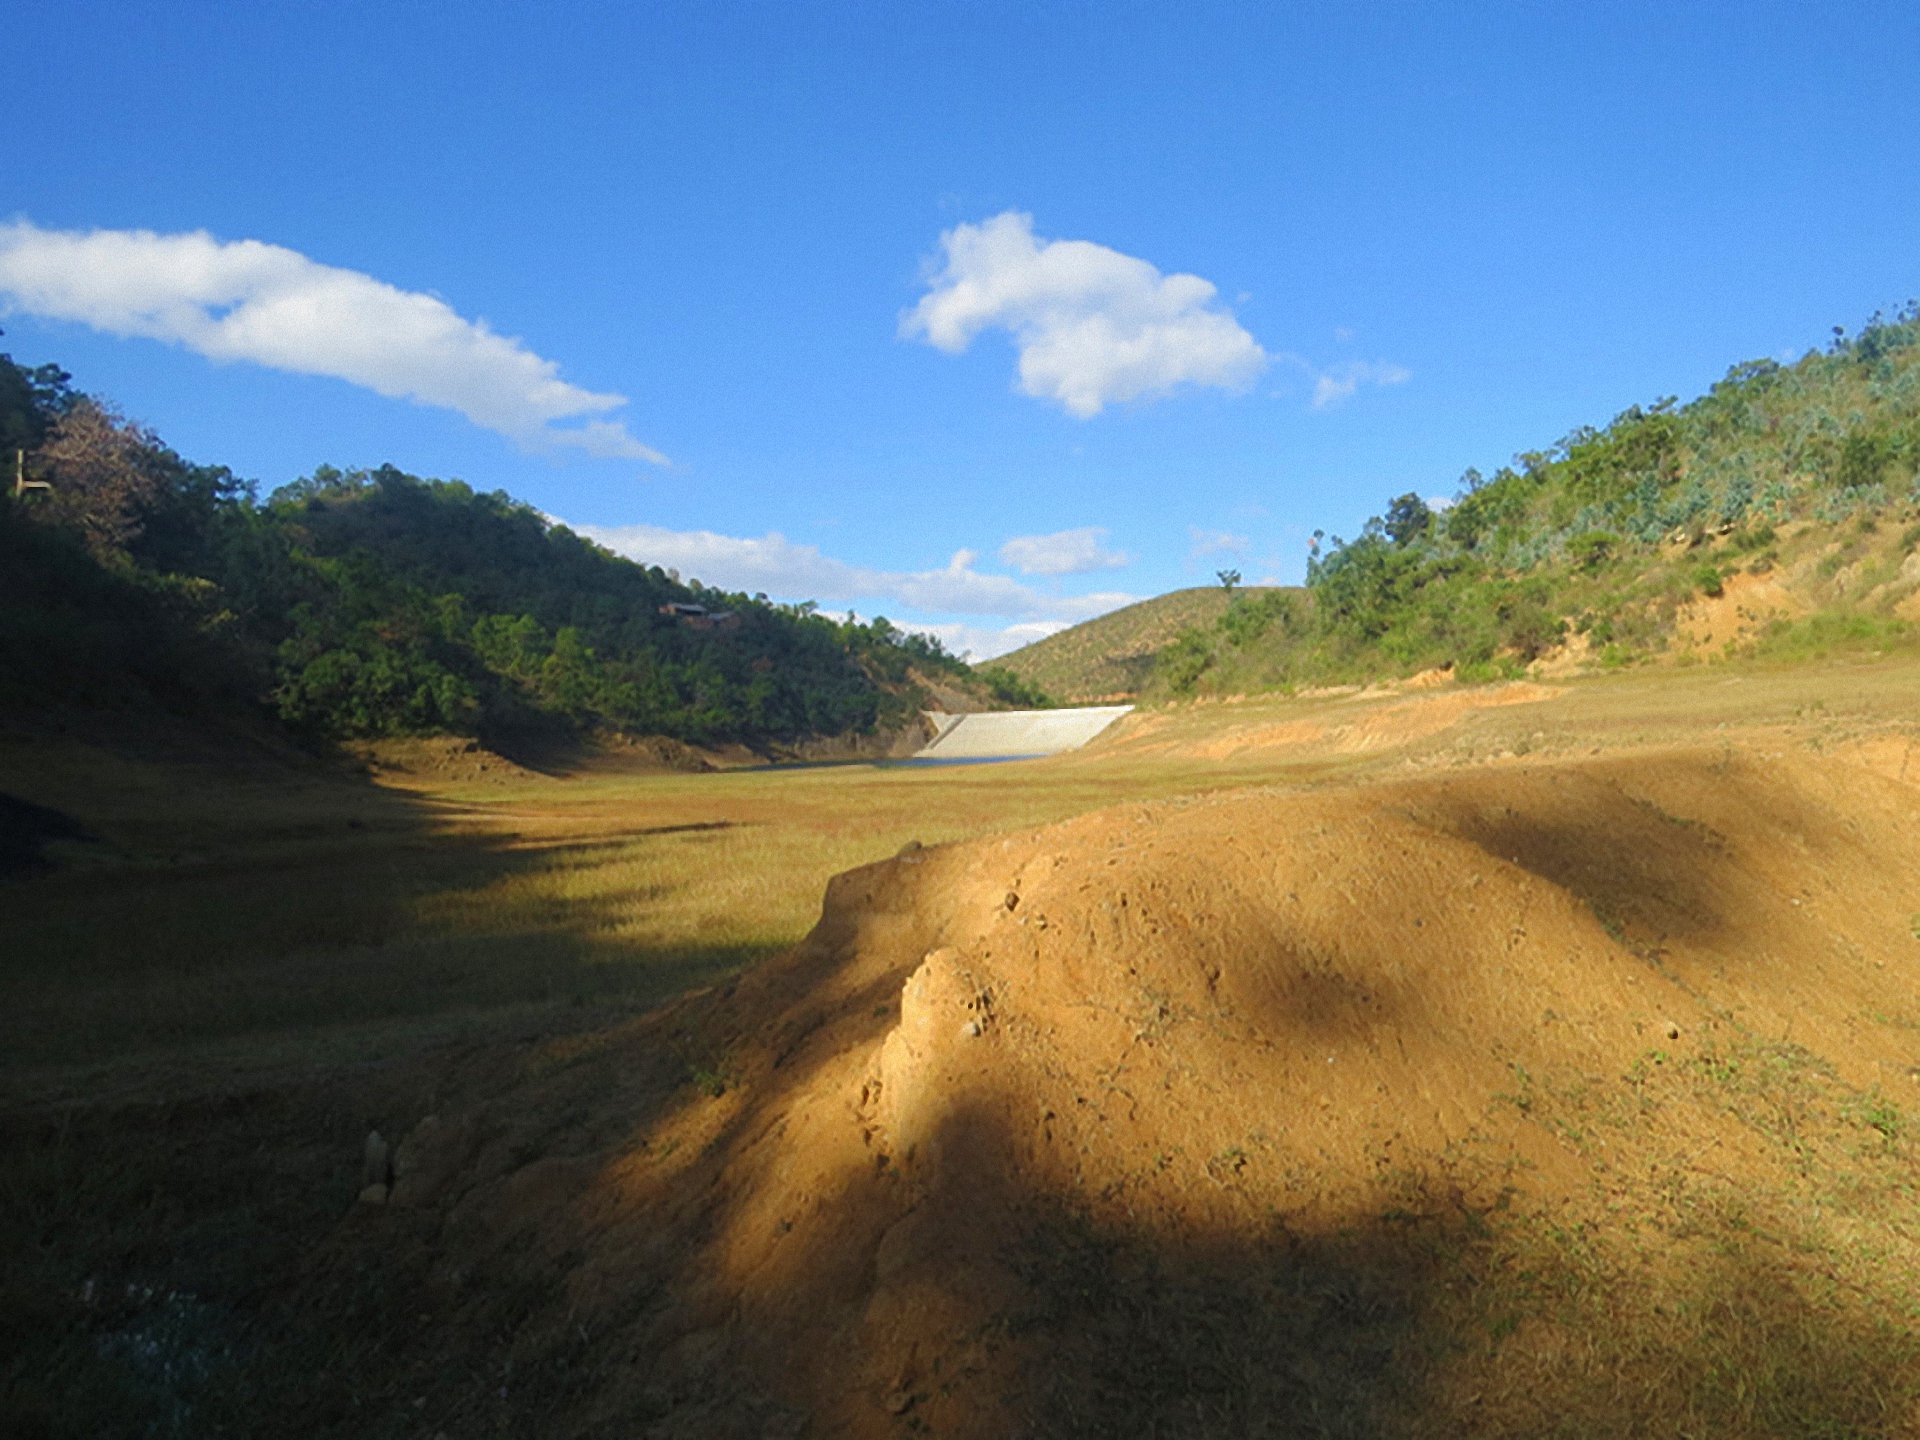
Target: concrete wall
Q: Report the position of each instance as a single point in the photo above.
(1001, 734)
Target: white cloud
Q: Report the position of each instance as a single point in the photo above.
(1093, 326)
(1332, 386)
(980, 643)
(245, 300)
(1065, 552)
(787, 571)
(1215, 542)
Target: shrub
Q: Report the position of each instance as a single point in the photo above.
(1593, 549)
(1182, 663)
(1010, 690)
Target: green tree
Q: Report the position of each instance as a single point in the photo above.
(1408, 519)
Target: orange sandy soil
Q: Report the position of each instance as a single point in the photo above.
(1154, 1122)
(1514, 1096)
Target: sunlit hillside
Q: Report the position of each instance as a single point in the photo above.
(1774, 514)
(1112, 657)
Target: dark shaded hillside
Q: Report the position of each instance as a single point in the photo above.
(377, 603)
(514, 619)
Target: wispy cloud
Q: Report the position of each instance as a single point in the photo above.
(1093, 326)
(788, 571)
(1338, 383)
(246, 300)
(1215, 542)
(1065, 552)
(987, 642)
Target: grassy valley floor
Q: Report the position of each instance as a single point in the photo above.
(1586, 1226)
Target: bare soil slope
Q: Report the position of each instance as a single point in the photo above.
(1540, 1098)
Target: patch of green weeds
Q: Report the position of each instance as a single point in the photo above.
(1521, 1096)
(709, 1071)
(1875, 1111)
(1823, 634)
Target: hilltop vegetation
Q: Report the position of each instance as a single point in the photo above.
(377, 603)
(1112, 657)
(1603, 546)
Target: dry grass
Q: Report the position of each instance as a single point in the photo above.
(200, 1019)
(246, 917)
(248, 913)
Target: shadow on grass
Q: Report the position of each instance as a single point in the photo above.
(1429, 1320)
(308, 912)
(266, 915)
(547, 1293)
(965, 1298)
(1439, 1321)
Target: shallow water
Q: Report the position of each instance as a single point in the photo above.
(918, 762)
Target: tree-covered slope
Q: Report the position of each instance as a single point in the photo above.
(1609, 542)
(494, 616)
(380, 603)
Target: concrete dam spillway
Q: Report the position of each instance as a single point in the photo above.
(1016, 734)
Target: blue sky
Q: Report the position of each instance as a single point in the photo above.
(885, 305)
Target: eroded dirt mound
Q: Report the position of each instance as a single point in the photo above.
(1276, 1112)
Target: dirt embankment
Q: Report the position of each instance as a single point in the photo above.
(1405, 1109)
(1383, 727)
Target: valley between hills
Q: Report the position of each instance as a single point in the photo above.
(1475, 993)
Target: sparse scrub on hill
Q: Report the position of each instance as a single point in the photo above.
(1112, 657)
(1605, 538)
(375, 603)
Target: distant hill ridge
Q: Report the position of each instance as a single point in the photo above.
(1111, 658)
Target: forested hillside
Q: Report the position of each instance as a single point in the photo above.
(1608, 544)
(378, 603)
